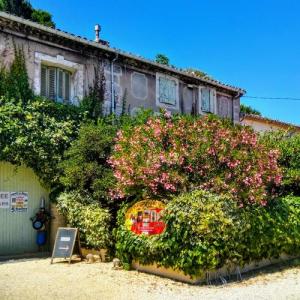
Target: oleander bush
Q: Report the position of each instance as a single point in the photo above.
(288, 143)
(168, 155)
(205, 232)
(89, 217)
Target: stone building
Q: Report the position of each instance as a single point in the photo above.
(62, 67)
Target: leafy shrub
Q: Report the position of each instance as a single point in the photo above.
(85, 166)
(37, 134)
(205, 232)
(168, 155)
(92, 220)
(289, 159)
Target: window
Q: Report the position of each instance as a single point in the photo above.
(167, 90)
(55, 84)
(207, 98)
(139, 85)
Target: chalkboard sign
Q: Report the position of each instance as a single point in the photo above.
(65, 242)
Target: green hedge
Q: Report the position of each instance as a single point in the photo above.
(205, 231)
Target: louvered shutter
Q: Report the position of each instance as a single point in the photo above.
(44, 82)
(52, 83)
(67, 87)
(60, 85)
(205, 100)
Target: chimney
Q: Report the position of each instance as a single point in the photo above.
(97, 33)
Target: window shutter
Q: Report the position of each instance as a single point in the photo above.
(60, 83)
(213, 101)
(167, 91)
(67, 87)
(52, 83)
(44, 82)
(205, 100)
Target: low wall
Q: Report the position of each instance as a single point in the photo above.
(57, 221)
(206, 276)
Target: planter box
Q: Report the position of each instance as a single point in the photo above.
(213, 274)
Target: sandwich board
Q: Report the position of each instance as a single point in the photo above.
(66, 243)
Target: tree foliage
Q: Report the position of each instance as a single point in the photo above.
(162, 59)
(245, 109)
(168, 155)
(23, 8)
(85, 167)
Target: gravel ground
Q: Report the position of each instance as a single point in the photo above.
(37, 279)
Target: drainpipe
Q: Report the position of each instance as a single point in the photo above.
(113, 104)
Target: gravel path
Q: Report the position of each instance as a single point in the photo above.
(37, 279)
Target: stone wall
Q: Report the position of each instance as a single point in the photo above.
(135, 86)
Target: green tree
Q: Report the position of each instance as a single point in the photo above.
(23, 8)
(162, 59)
(42, 17)
(249, 110)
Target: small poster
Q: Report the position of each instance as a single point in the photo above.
(145, 217)
(19, 201)
(4, 199)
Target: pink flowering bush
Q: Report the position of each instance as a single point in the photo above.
(169, 155)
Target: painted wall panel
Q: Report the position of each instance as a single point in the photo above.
(16, 233)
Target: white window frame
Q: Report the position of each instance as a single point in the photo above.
(213, 100)
(76, 80)
(162, 104)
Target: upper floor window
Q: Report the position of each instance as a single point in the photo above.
(207, 101)
(167, 90)
(55, 84)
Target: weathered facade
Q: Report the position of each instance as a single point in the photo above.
(62, 66)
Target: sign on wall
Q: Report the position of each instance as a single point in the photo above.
(145, 217)
(19, 201)
(4, 199)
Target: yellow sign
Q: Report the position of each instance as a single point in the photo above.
(145, 217)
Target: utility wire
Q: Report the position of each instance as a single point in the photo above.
(273, 98)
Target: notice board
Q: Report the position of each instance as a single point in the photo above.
(66, 243)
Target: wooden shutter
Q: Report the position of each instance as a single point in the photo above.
(44, 82)
(67, 87)
(60, 85)
(167, 91)
(205, 100)
(52, 83)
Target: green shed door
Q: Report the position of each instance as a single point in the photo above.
(16, 233)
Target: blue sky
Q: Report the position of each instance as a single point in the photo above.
(251, 44)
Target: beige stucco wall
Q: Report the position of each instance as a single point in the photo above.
(260, 126)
